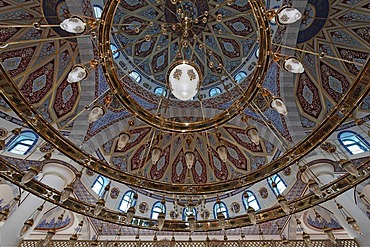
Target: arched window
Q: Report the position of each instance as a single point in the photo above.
(97, 11)
(240, 76)
(214, 91)
(99, 185)
(186, 213)
(136, 76)
(160, 91)
(22, 143)
(280, 184)
(220, 207)
(157, 208)
(250, 200)
(115, 51)
(353, 142)
(128, 200)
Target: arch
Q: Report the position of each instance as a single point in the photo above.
(157, 208)
(249, 199)
(280, 184)
(160, 91)
(128, 200)
(214, 91)
(135, 75)
(220, 207)
(99, 185)
(186, 213)
(352, 142)
(22, 143)
(240, 76)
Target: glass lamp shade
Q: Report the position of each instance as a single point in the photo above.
(252, 215)
(314, 187)
(221, 219)
(78, 73)
(74, 24)
(4, 214)
(96, 113)
(99, 207)
(130, 214)
(292, 65)
(123, 139)
(222, 152)
(353, 224)
(26, 227)
(73, 240)
(184, 80)
(191, 220)
(29, 175)
(307, 240)
(161, 218)
(330, 235)
(189, 159)
(156, 154)
(253, 135)
(349, 167)
(66, 192)
(49, 236)
(288, 15)
(283, 204)
(278, 105)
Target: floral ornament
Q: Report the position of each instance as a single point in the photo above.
(89, 172)
(263, 192)
(174, 214)
(191, 74)
(235, 207)
(177, 74)
(143, 207)
(3, 132)
(45, 148)
(205, 214)
(328, 147)
(114, 193)
(287, 171)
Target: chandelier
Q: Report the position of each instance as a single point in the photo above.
(191, 66)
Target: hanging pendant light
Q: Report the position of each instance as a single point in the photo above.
(123, 139)
(314, 187)
(4, 214)
(96, 113)
(292, 65)
(99, 206)
(349, 167)
(68, 190)
(222, 152)
(161, 218)
(191, 220)
(252, 215)
(73, 240)
(221, 220)
(26, 227)
(49, 236)
(252, 133)
(74, 24)
(278, 105)
(330, 235)
(352, 222)
(156, 154)
(130, 214)
(189, 159)
(283, 203)
(78, 73)
(30, 174)
(307, 240)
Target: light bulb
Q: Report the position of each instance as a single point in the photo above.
(30, 174)
(283, 204)
(292, 65)
(73, 24)
(161, 218)
(349, 167)
(352, 222)
(253, 135)
(189, 159)
(278, 105)
(222, 152)
(221, 220)
(66, 193)
(4, 214)
(123, 139)
(156, 154)
(78, 73)
(96, 113)
(330, 235)
(314, 187)
(26, 227)
(99, 207)
(252, 215)
(130, 215)
(307, 240)
(288, 15)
